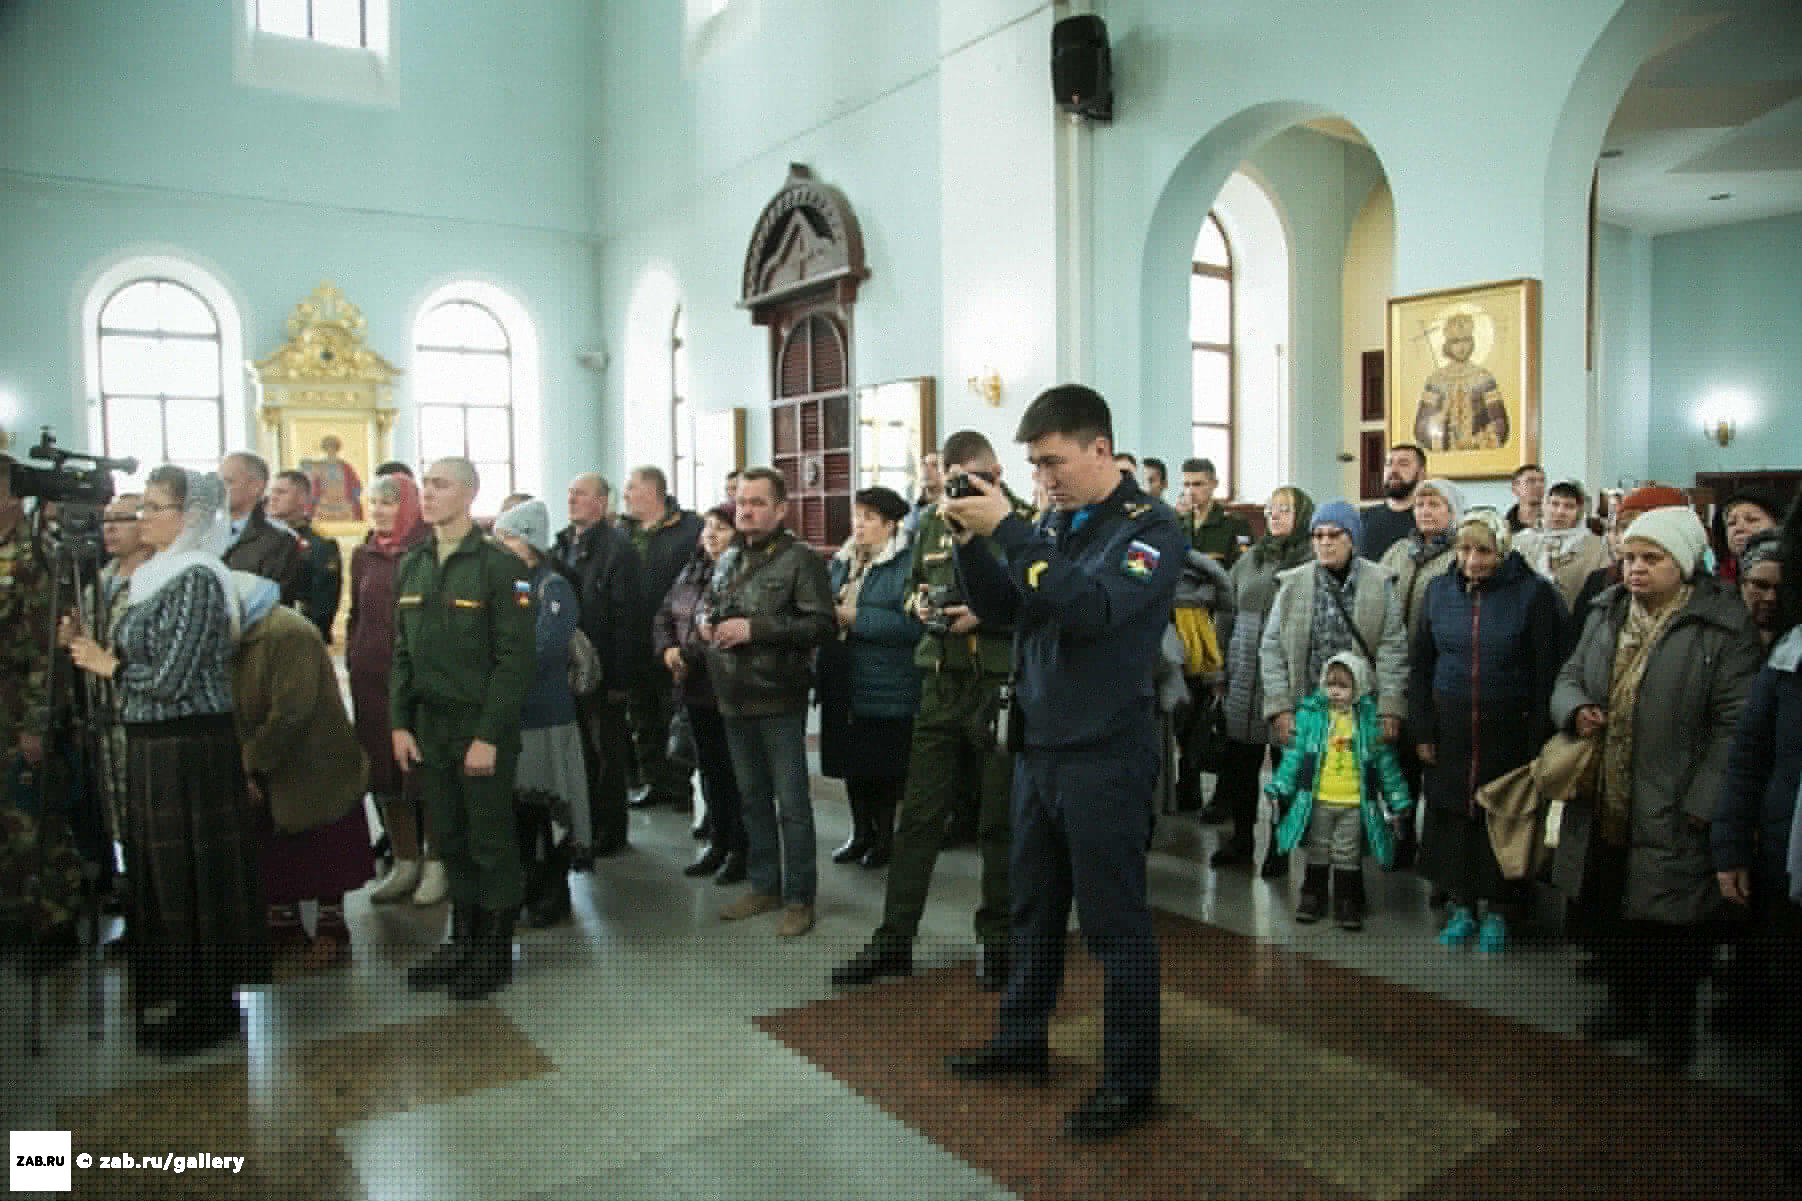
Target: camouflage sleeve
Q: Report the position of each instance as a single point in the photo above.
(24, 627)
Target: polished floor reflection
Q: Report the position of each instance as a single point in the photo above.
(648, 1050)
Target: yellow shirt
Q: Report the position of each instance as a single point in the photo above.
(1339, 766)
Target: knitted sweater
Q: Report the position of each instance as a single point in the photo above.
(176, 652)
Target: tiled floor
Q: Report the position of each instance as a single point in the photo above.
(624, 1061)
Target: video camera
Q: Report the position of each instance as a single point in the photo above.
(937, 600)
(66, 482)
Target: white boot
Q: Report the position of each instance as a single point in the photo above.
(400, 882)
(434, 884)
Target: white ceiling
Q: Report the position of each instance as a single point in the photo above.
(1717, 109)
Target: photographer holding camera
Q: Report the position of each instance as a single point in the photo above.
(964, 665)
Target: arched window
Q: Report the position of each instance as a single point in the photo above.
(329, 22)
(1211, 365)
(684, 463)
(159, 357)
(463, 384)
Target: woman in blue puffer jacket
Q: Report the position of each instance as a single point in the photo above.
(869, 688)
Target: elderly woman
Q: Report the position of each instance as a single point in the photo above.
(1563, 549)
(1339, 602)
(1641, 500)
(1755, 838)
(1483, 665)
(551, 780)
(1760, 582)
(869, 686)
(676, 637)
(1659, 676)
(1285, 544)
(395, 526)
(1747, 512)
(305, 769)
(196, 910)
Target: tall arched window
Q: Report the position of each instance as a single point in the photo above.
(1211, 365)
(684, 464)
(160, 375)
(463, 385)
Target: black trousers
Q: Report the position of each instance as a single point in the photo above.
(606, 748)
(719, 786)
(1236, 787)
(1648, 966)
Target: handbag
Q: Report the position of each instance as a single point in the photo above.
(584, 665)
(681, 746)
(1204, 741)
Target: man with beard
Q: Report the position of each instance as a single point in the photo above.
(1387, 523)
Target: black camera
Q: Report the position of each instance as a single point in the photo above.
(959, 486)
(72, 479)
(936, 601)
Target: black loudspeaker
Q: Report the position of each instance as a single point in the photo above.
(1082, 75)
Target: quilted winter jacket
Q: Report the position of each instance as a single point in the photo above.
(1376, 610)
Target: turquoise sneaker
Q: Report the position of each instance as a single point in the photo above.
(1493, 938)
(1460, 928)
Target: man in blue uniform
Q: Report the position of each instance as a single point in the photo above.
(1088, 594)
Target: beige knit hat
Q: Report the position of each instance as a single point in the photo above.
(1677, 529)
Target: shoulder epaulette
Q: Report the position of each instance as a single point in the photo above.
(1136, 511)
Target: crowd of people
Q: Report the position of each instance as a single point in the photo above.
(1587, 704)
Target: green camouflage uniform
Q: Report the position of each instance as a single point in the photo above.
(961, 679)
(38, 892)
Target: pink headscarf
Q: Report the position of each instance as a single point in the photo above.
(407, 519)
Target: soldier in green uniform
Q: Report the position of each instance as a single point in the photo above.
(40, 885)
(463, 661)
(1211, 528)
(964, 665)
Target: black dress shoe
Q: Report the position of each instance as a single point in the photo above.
(732, 871)
(871, 964)
(998, 1063)
(1276, 866)
(991, 970)
(1108, 1112)
(708, 862)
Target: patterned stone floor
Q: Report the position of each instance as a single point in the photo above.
(647, 1050)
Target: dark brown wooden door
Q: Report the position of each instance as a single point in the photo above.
(810, 427)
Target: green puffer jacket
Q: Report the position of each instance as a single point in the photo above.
(1382, 791)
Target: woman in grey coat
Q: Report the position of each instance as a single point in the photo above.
(1287, 515)
(1659, 676)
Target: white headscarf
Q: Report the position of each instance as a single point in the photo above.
(205, 537)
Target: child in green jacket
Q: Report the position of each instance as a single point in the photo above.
(1340, 788)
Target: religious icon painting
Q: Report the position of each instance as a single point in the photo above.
(1464, 377)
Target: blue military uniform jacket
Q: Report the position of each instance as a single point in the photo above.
(1089, 595)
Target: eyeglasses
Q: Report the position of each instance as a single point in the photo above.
(129, 519)
(1327, 534)
(150, 507)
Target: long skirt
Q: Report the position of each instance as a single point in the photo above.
(197, 917)
(552, 773)
(324, 862)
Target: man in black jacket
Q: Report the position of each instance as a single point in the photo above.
(259, 547)
(664, 536)
(598, 560)
(321, 559)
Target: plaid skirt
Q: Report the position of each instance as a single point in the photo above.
(192, 848)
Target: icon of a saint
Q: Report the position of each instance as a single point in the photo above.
(1461, 406)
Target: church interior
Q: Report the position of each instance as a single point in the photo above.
(566, 236)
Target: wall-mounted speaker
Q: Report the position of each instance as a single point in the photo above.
(1082, 75)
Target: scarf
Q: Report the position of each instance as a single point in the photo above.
(205, 536)
(861, 558)
(1297, 544)
(407, 518)
(1552, 549)
(1424, 548)
(1640, 632)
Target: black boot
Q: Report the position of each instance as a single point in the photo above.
(443, 965)
(872, 963)
(531, 857)
(1312, 906)
(992, 970)
(853, 848)
(1276, 864)
(707, 862)
(882, 834)
(552, 906)
(490, 963)
(1348, 898)
(1233, 851)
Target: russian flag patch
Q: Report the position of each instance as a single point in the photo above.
(522, 592)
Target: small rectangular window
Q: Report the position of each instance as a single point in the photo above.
(329, 22)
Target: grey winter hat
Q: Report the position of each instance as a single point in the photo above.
(530, 522)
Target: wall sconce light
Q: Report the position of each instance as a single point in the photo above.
(1719, 430)
(987, 384)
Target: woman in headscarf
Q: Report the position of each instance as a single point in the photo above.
(1285, 544)
(395, 527)
(197, 916)
(869, 686)
(1483, 664)
(1659, 678)
(1563, 549)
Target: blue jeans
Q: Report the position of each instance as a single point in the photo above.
(769, 757)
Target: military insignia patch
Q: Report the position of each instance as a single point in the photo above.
(522, 593)
(1140, 561)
